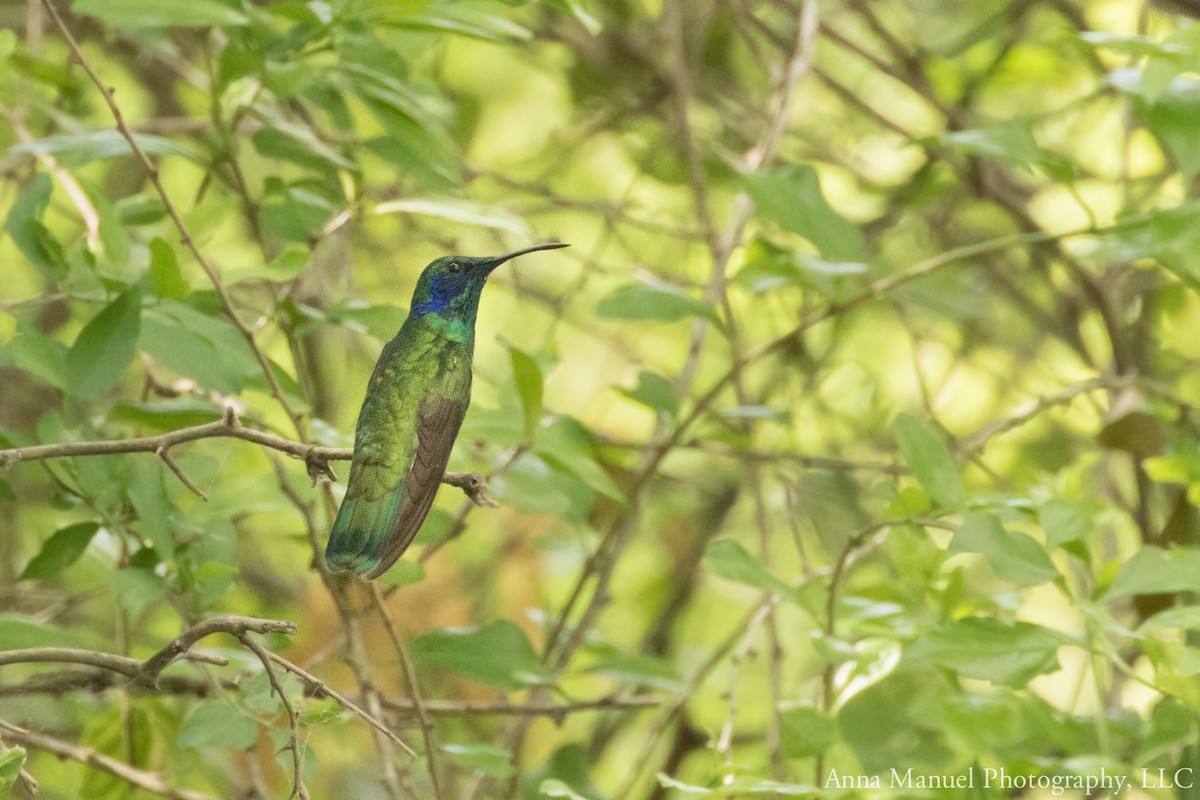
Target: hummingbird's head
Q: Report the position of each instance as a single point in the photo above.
(451, 285)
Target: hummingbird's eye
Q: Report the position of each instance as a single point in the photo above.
(454, 267)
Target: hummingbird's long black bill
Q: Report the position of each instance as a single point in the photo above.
(498, 260)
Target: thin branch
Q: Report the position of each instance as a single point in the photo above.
(414, 690)
(320, 687)
(165, 455)
(977, 441)
(94, 681)
(317, 458)
(230, 623)
(264, 655)
(148, 781)
(122, 665)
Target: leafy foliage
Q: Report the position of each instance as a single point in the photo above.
(855, 433)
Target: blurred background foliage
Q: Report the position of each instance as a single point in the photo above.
(855, 431)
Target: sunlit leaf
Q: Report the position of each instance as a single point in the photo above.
(1153, 570)
(461, 211)
(982, 648)
(655, 392)
(83, 148)
(728, 559)
(930, 461)
(806, 732)
(737, 787)
(528, 377)
(1014, 556)
(152, 14)
(791, 197)
(12, 759)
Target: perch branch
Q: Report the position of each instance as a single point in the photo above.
(317, 458)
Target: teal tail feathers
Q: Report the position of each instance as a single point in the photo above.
(358, 542)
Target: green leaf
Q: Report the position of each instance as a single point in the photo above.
(382, 321)
(639, 670)
(404, 573)
(930, 461)
(655, 301)
(528, 377)
(498, 654)
(728, 559)
(207, 349)
(655, 392)
(12, 759)
(739, 786)
(32, 238)
(105, 347)
(473, 20)
(181, 412)
(321, 712)
(1131, 44)
(156, 14)
(40, 356)
(1062, 522)
(566, 445)
(1013, 556)
(287, 266)
(791, 198)
(61, 550)
(553, 787)
(78, 149)
(461, 211)
(166, 278)
(128, 734)
(1154, 570)
(137, 589)
(215, 723)
(152, 506)
(299, 146)
(806, 732)
(18, 632)
(985, 649)
(1011, 139)
(493, 761)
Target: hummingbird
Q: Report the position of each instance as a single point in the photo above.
(416, 400)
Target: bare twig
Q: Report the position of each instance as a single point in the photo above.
(148, 781)
(264, 655)
(409, 671)
(229, 623)
(320, 687)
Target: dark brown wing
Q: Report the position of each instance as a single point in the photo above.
(436, 430)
